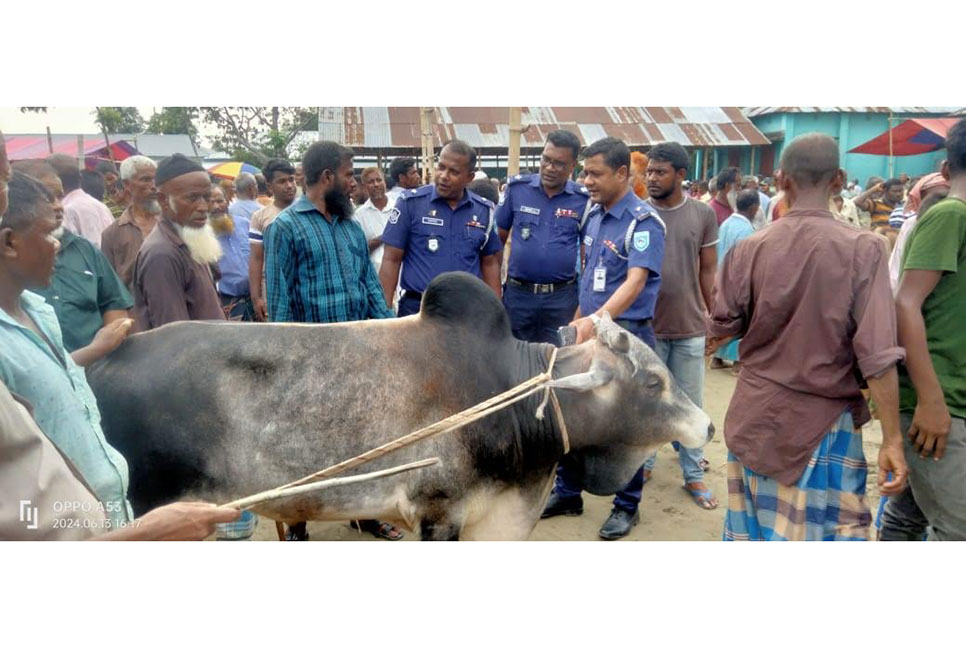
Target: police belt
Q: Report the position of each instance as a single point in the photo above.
(627, 323)
(539, 289)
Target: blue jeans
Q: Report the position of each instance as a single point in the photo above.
(536, 318)
(685, 360)
(629, 497)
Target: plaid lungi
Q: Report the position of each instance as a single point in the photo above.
(827, 503)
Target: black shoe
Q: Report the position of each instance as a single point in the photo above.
(297, 532)
(619, 524)
(557, 505)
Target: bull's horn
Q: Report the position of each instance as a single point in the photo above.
(584, 381)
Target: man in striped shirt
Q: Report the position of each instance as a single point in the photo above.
(317, 266)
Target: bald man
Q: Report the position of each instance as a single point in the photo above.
(85, 292)
(810, 298)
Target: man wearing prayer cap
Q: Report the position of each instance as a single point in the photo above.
(172, 275)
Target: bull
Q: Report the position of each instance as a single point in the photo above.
(224, 410)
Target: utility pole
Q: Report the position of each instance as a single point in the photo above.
(513, 154)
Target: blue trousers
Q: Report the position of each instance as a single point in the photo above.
(408, 305)
(685, 360)
(536, 318)
(629, 497)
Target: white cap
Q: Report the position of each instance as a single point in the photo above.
(480, 175)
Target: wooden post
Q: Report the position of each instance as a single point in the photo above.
(80, 152)
(751, 163)
(50, 141)
(704, 163)
(110, 153)
(426, 128)
(891, 159)
(513, 154)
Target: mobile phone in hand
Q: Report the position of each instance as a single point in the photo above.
(567, 335)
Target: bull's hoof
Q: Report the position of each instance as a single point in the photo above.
(619, 524)
(563, 506)
(297, 532)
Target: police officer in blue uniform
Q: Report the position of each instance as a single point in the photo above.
(624, 240)
(439, 228)
(546, 212)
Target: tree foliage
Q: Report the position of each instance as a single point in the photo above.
(118, 119)
(256, 134)
(174, 121)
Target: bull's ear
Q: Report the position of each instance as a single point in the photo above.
(619, 342)
(598, 377)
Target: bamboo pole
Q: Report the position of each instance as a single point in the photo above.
(278, 493)
(80, 152)
(891, 158)
(513, 154)
(50, 141)
(426, 130)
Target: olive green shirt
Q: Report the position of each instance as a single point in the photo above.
(83, 288)
(938, 243)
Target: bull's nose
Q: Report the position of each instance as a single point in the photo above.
(710, 431)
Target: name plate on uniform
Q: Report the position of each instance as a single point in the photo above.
(432, 221)
(530, 210)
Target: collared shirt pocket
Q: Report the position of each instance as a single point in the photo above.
(77, 287)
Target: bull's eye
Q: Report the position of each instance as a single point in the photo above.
(654, 385)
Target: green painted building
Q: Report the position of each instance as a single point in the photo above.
(850, 127)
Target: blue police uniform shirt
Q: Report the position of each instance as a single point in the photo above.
(439, 239)
(546, 231)
(608, 260)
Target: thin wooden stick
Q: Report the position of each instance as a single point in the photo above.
(276, 493)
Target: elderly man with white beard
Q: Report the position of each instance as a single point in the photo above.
(121, 241)
(172, 274)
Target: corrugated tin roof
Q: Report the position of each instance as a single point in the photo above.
(160, 146)
(149, 144)
(758, 111)
(36, 146)
(374, 128)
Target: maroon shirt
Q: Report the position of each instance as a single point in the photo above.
(170, 286)
(810, 297)
(721, 210)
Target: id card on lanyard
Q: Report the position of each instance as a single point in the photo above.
(600, 278)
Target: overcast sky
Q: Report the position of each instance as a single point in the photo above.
(69, 120)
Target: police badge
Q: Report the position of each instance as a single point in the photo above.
(642, 240)
(525, 233)
(433, 245)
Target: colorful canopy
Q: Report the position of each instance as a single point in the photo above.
(230, 170)
(93, 148)
(911, 137)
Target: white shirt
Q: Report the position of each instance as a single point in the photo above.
(393, 195)
(373, 222)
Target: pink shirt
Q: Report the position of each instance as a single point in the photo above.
(86, 216)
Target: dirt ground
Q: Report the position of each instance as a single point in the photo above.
(667, 511)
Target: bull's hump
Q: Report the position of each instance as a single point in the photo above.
(460, 299)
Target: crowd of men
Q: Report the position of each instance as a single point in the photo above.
(808, 288)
